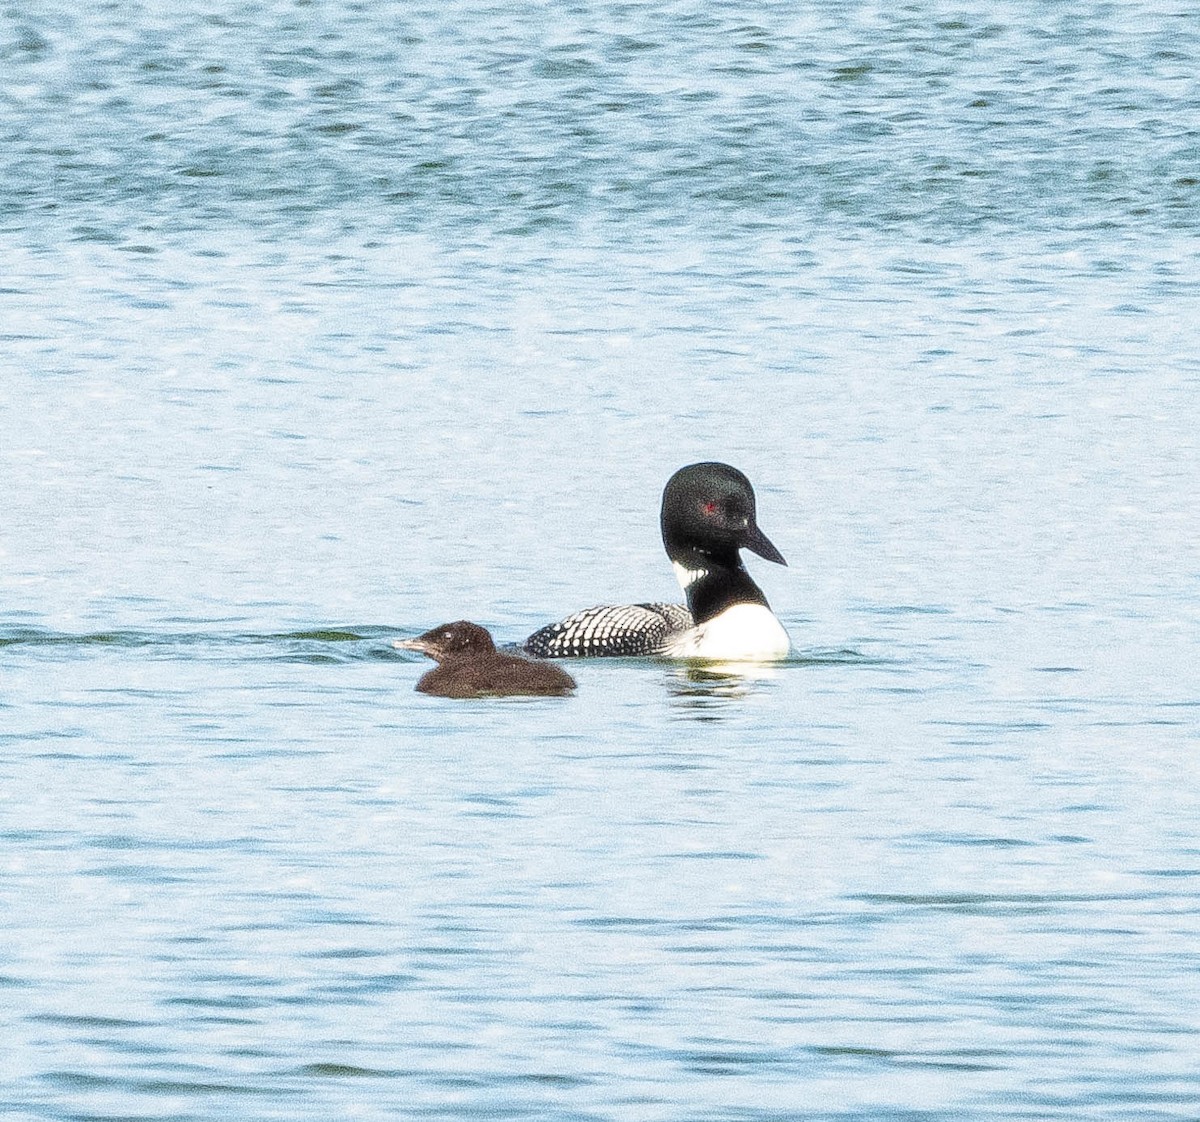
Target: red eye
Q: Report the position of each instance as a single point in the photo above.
(709, 508)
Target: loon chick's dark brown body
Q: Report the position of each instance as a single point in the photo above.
(470, 666)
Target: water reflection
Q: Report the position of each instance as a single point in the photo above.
(702, 690)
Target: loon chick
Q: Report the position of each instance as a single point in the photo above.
(470, 666)
(708, 514)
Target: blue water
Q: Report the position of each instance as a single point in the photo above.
(324, 323)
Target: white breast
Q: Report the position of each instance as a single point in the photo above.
(743, 633)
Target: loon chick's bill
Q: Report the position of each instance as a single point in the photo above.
(470, 666)
(708, 515)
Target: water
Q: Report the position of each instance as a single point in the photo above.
(323, 324)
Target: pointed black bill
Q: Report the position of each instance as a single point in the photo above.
(759, 543)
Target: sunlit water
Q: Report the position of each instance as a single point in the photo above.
(323, 324)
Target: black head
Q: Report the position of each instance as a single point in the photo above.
(458, 638)
(709, 509)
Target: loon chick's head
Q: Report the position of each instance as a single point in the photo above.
(461, 638)
(708, 514)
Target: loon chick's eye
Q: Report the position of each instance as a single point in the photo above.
(709, 508)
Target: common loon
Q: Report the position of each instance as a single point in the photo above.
(470, 666)
(708, 514)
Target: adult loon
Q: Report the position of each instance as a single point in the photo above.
(708, 514)
(470, 666)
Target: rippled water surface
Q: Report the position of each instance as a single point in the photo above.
(323, 323)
